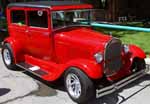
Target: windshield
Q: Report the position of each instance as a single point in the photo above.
(70, 18)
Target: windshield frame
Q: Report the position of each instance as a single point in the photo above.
(77, 25)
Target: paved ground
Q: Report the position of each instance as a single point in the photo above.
(24, 88)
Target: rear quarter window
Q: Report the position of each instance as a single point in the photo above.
(18, 16)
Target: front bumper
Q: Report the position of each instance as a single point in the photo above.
(116, 86)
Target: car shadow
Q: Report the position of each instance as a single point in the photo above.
(116, 98)
(113, 98)
(4, 91)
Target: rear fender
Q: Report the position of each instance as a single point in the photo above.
(90, 68)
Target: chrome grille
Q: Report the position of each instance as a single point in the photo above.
(112, 57)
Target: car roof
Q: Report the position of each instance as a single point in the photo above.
(44, 4)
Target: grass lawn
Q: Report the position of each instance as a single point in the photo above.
(141, 39)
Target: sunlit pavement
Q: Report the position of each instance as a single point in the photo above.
(24, 88)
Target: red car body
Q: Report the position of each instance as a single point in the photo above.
(55, 51)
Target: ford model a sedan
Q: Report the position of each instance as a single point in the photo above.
(55, 40)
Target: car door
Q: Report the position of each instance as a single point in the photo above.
(17, 26)
(39, 34)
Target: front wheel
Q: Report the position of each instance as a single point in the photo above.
(79, 87)
(138, 64)
(7, 56)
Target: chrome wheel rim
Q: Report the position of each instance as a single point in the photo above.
(7, 57)
(73, 85)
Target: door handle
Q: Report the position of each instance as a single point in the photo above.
(27, 31)
(28, 34)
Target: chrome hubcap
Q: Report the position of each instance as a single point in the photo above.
(7, 57)
(73, 85)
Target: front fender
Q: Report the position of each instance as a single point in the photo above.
(91, 68)
(136, 52)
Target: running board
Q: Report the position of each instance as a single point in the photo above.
(116, 86)
(33, 69)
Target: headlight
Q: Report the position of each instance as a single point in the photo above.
(126, 48)
(98, 57)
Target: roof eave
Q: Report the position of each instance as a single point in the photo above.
(61, 7)
(70, 7)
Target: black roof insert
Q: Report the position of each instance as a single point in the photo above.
(44, 4)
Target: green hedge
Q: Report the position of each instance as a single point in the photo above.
(3, 29)
(3, 23)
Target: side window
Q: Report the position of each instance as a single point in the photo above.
(58, 19)
(38, 19)
(18, 16)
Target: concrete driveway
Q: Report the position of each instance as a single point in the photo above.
(25, 88)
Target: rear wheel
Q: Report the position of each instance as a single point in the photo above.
(79, 87)
(7, 56)
(138, 64)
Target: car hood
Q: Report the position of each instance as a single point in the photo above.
(83, 37)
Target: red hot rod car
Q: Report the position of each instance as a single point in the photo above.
(54, 39)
